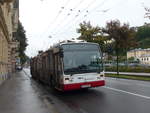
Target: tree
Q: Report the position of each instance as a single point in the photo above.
(88, 32)
(143, 36)
(21, 38)
(122, 35)
(91, 34)
(143, 32)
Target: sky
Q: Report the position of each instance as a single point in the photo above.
(47, 22)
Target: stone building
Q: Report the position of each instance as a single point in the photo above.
(145, 59)
(9, 15)
(141, 54)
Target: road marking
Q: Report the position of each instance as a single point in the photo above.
(114, 89)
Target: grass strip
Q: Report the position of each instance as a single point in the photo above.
(133, 77)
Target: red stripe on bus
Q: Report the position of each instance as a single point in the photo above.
(75, 86)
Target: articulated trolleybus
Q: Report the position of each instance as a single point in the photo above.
(70, 65)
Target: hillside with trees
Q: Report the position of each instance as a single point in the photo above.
(143, 36)
(130, 37)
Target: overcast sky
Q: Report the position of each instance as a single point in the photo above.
(49, 21)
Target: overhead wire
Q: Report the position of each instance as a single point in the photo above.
(61, 10)
(99, 5)
(81, 11)
(71, 10)
(90, 4)
(95, 8)
(87, 13)
(57, 16)
(106, 10)
(55, 19)
(77, 5)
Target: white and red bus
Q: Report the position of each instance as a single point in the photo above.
(70, 65)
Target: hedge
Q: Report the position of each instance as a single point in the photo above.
(129, 69)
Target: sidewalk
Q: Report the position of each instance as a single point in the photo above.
(18, 95)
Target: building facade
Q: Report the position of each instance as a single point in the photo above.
(9, 16)
(141, 54)
(145, 59)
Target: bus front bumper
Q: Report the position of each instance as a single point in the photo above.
(76, 86)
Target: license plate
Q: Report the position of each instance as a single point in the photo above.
(86, 86)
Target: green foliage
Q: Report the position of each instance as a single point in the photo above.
(122, 35)
(92, 34)
(21, 37)
(114, 37)
(144, 43)
(143, 36)
(137, 69)
(143, 32)
(88, 32)
(131, 59)
(133, 77)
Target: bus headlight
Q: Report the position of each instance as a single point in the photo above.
(67, 80)
(102, 75)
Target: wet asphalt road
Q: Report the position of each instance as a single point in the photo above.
(118, 96)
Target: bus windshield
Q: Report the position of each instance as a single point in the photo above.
(82, 58)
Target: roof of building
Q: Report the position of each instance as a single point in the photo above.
(139, 49)
(145, 55)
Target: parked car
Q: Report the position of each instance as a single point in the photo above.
(19, 67)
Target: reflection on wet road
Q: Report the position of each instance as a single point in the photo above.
(18, 95)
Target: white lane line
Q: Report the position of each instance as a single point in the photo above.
(118, 90)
